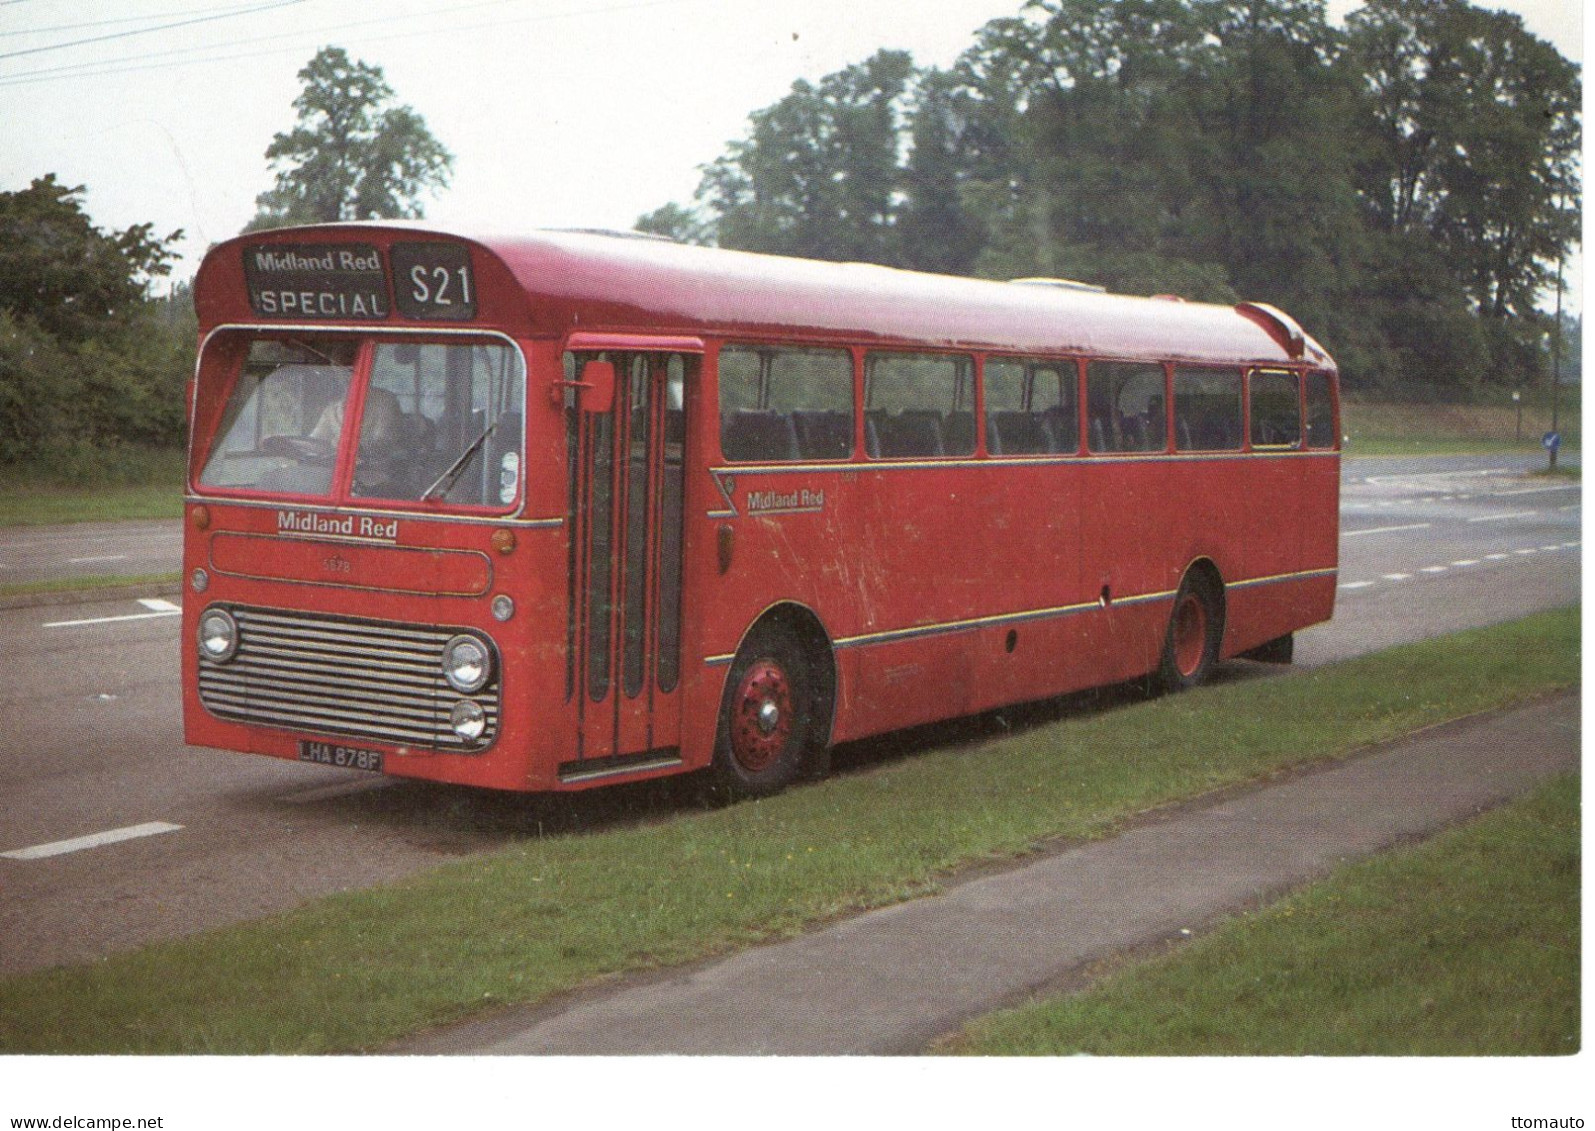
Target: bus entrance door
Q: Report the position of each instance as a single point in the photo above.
(627, 525)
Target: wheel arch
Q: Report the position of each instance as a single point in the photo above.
(1206, 571)
(802, 624)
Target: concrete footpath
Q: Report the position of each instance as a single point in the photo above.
(891, 981)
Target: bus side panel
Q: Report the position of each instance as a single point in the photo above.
(1320, 511)
(1030, 576)
(1134, 542)
(913, 553)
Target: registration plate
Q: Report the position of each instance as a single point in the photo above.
(332, 754)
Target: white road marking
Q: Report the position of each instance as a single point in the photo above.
(159, 605)
(111, 620)
(1531, 550)
(93, 840)
(1466, 562)
(1502, 517)
(101, 558)
(1537, 490)
(1496, 557)
(1397, 576)
(1356, 585)
(1435, 569)
(1386, 529)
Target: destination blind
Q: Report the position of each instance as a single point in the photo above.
(323, 282)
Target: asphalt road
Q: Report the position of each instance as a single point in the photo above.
(181, 839)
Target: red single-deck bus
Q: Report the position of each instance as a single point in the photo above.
(546, 512)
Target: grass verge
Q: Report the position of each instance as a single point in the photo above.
(89, 483)
(1442, 429)
(1467, 945)
(97, 581)
(54, 506)
(547, 914)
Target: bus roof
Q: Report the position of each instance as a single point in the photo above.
(593, 281)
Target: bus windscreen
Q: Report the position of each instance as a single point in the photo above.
(438, 421)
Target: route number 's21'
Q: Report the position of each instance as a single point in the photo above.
(433, 281)
(436, 286)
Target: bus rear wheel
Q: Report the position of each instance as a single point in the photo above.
(768, 726)
(1191, 647)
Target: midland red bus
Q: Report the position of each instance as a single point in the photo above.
(546, 512)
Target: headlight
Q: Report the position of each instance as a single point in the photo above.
(468, 720)
(218, 635)
(467, 664)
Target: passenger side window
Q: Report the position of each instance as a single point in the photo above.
(1207, 410)
(1320, 411)
(1030, 407)
(1276, 410)
(1126, 406)
(919, 405)
(780, 405)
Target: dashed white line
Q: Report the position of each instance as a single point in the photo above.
(1386, 529)
(1356, 584)
(1538, 490)
(1397, 576)
(1466, 562)
(1502, 517)
(159, 605)
(100, 558)
(1530, 550)
(1496, 557)
(93, 840)
(1435, 569)
(112, 620)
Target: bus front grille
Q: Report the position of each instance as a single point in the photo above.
(328, 676)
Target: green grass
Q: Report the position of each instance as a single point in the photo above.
(547, 914)
(1442, 429)
(1467, 945)
(96, 581)
(93, 485)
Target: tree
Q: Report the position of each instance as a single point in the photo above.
(69, 277)
(86, 358)
(353, 155)
(1469, 140)
(819, 173)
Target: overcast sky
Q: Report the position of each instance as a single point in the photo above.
(560, 113)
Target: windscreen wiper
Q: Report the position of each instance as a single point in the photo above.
(446, 480)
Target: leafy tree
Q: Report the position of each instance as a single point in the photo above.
(84, 361)
(1405, 187)
(353, 155)
(1469, 137)
(818, 174)
(69, 277)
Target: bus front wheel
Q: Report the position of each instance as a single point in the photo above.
(768, 725)
(1191, 647)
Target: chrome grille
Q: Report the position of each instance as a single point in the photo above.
(338, 676)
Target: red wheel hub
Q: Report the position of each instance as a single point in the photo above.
(761, 716)
(1190, 634)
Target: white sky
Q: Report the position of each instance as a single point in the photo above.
(560, 113)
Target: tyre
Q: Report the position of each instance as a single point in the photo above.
(1191, 647)
(769, 724)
